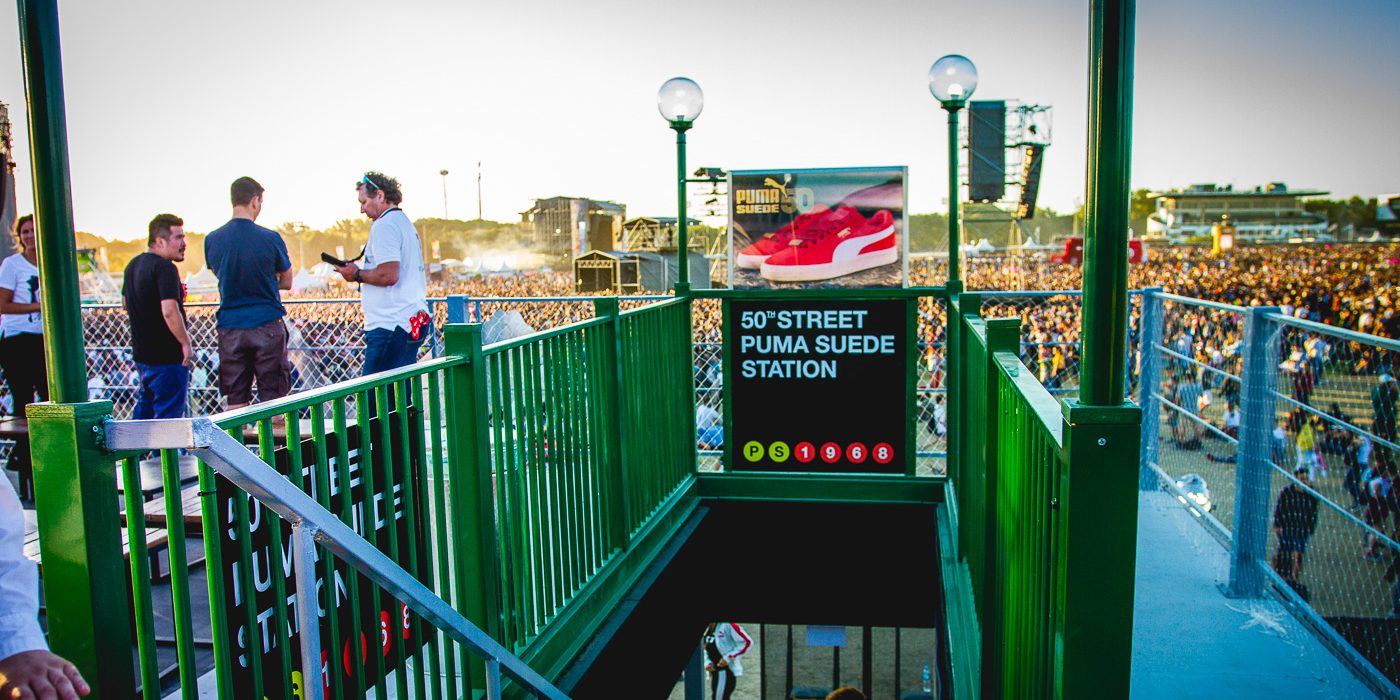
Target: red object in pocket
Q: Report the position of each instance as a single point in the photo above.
(416, 324)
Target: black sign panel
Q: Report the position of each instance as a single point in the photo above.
(817, 385)
(383, 629)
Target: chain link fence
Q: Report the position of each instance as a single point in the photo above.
(1279, 435)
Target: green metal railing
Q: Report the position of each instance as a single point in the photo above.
(382, 425)
(1052, 585)
(497, 476)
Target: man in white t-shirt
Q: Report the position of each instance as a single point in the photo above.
(395, 290)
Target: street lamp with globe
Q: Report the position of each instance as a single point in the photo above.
(952, 79)
(680, 100)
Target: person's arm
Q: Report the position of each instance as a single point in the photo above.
(170, 311)
(8, 305)
(383, 275)
(743, 637)
(26, 664)
(284, 272)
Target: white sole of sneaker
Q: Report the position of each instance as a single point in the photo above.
(831, 270)
(749, 262)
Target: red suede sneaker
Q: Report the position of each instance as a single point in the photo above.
(839, 244)
(753, 256)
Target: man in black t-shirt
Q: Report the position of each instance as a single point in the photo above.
(154, 299)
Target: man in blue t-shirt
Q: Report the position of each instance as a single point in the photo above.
(252, 266)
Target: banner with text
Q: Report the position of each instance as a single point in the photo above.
(817, 385)
(827, 227)
(382, 625)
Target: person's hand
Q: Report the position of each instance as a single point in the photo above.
(723, 663)
(40, 674)
(709, 667)
(348, 271)
(186, 354)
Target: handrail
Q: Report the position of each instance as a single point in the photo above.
(1342, 333)
(311, 525)
(1037, 397)
(673, 301)
(1192, 301)
(537, 336)
(304, 399)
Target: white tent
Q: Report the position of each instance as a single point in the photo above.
(202, 282)
(304, 280)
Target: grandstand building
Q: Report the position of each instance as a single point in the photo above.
(566, 227)
(1272, 213)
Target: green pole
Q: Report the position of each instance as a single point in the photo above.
(48, 142)
(1106, 214)
(682, 234)
(954, 234)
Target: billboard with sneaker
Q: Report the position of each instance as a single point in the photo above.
(824, 227)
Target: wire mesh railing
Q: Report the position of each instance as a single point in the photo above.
(1279, 435)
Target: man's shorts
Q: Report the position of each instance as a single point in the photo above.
(248, 354)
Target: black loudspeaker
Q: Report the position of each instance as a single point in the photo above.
(986, 160)
(1030, 179)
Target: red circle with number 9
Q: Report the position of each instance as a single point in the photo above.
(883, 453)
(804, 452)
(855, 452)
(831, 452)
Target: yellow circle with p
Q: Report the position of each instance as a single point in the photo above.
(779, 451)
(753, 450)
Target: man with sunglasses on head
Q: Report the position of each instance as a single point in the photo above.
(394, 288)
(252, 265)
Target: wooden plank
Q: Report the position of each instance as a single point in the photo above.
(154, 509)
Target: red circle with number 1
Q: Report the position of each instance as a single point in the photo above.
(882, 453)
(855, 452)
(804, 452)
(831, 452)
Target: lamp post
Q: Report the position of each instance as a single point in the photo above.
(952, 80)
(680, 101)
(443, 173)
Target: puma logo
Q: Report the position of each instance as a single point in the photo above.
(844, 232)
(770, 182)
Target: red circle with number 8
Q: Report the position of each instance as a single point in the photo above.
(804, 452)
(831, 452)
(882, 453)
(855, 452)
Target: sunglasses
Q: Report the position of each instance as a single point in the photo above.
(370, 183)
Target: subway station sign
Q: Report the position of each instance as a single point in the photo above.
(817, 385)
(385, 627)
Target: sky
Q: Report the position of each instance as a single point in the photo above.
(169, 101)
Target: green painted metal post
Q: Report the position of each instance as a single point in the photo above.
(469, 465)
(58, 261)
(958, 305)
(1106, 214)
(1097, 503)
(615, 432)
(1003, 335)
(954, 233)
(75, 494)
(682, 231)
(89, 611)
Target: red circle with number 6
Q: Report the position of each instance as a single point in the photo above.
(882, 453)
(804, 452)
(830, 452)
(855, 452)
